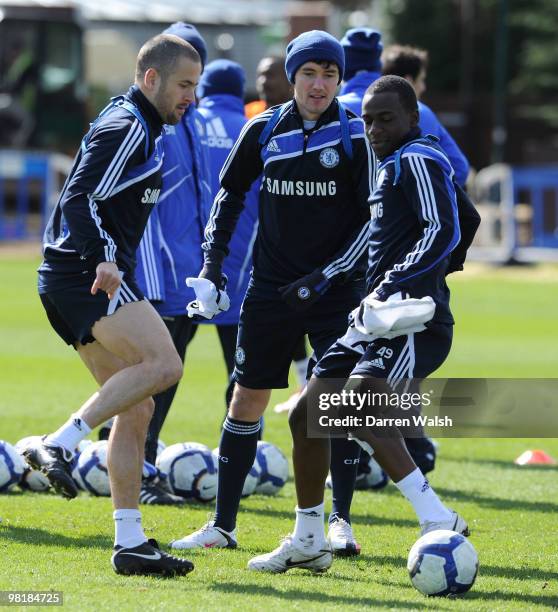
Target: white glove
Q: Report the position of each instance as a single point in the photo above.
(394, 317)
(209, 300)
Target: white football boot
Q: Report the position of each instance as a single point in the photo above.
(455, 523)
(342, 539)
(208, 536)
(287, 556)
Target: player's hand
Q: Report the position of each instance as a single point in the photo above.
(209, 300)
(108, 279)
(304, 292)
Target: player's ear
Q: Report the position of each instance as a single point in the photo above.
(414, 118)
(151, 79)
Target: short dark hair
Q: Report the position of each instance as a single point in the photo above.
(161, 53)
(395, 84)
(404, 61)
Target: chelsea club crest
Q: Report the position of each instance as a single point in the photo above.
(329, 158)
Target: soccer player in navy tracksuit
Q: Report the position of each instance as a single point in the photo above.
(414, 229)
(88, 289)
(363, 65)
(170, 248)
(309, 253)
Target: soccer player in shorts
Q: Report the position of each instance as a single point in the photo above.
(414, 228)
(87, 287)
(308, 261)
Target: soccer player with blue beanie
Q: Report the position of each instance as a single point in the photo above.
(308, 264)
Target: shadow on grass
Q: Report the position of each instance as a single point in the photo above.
(359, 519)
(498, 503)
(40, 537)
(496, 571)
(317, 596)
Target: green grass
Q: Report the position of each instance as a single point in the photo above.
(506, 327)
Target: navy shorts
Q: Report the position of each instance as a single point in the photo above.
(406, 357)
(72, 312)
(269, 331)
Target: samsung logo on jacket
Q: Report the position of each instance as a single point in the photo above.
(301, 188)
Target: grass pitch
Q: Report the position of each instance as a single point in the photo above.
(506, 327)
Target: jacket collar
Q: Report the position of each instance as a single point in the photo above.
(331, 113)
(147, 109)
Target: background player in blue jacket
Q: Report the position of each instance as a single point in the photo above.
(88, 288)
(316, 170)
(363, 49)
(411, 63)
(414, 229)
(221, 93)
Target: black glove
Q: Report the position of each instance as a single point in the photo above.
(213, 273)
(304, 292)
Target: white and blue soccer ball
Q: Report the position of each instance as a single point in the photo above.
(160, 446)
(12, 467)
(443, 562)
(273, 467)
(91, 472)
(75, 471)
(33, 480)
(191, 470)
(252, 479)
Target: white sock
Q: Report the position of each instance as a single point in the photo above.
(70, 434)
(309, 532)
(301, 367)
(427, 504)
(128, 531)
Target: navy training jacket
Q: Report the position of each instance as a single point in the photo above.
(104, 205)
(313, 208)
(414, 227)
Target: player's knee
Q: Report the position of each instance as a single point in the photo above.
(297, 416)
(248, 404)
(169, 369)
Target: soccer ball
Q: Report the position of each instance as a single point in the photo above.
(372, 476)
(91, 472)
(273, 467)
(160, 446)
(75, 472)
(33, 480)
(191, 470)
(443, 562)
(252, 478)
(12, 466)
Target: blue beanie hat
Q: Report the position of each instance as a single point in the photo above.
(315, 45)
(222, 77)
(190, 34)
(363, 48)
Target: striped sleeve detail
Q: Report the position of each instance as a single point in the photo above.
(110, 246)
(429, 213)
(149, 264)
(215, 209)
(107, 183)
(265, 116)
(350, 256)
